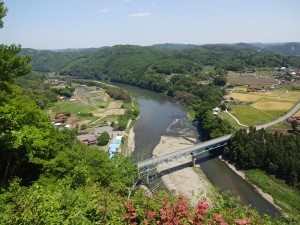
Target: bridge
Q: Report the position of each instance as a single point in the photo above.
(153, 163)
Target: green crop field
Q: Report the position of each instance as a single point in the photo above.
(226, 116)
(249, 115)
(71, 107)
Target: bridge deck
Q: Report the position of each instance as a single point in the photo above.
(154, 163)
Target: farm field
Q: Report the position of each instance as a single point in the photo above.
(86, 100)
(255, 108)
(225, 116)
(270, 104)
(244, 97)
(297, 113)
(249, 115)
(262, 78)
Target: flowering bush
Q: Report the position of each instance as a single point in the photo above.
(176, 211)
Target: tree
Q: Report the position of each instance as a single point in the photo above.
(3, 11)
(103, 139)
(296, 125)
(11, 64)
(220, 81)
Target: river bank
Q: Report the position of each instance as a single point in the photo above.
(240, 173)
(131, 144)
(189, 181)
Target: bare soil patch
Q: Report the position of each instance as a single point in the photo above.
(106, 112)
(114, 105)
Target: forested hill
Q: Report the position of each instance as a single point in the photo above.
(127, 60)
(285, 49)
(53, 61)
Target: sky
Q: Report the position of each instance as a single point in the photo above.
(60, 24)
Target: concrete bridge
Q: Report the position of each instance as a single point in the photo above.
(153, 163)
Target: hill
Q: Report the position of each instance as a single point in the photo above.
(287, 49)
(50, 61)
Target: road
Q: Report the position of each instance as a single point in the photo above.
(289, 114)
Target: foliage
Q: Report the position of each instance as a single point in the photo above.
(11, 64)
(178, 210)
(52, 61)
(34, 87)
(220, 81)
(67, 92)
(273, 153)
(118, 94)
(103, 139)
(284, 196)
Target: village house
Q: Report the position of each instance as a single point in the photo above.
(87, 139)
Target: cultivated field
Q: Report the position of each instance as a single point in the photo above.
(261, 78)
(88, 100)
(261, 107)
(245, 97)
(297, 113)
(269, 104)
(249, 115)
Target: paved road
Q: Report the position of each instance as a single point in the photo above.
(289, 114)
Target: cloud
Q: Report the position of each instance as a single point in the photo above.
(105, 10)
(140, 14)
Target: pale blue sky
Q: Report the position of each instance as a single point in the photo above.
(56, 24)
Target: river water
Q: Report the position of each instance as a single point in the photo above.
(160, 115)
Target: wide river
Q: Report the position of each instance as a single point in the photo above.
(160, 115)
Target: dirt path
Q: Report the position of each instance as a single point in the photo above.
(236, 119)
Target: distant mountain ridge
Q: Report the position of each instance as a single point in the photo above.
(287, 49)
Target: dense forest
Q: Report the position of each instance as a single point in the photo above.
(276, 154)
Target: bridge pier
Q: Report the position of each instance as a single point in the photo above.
(193, 160)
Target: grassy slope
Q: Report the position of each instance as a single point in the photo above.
(284, 196)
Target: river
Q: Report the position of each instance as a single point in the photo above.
(160, 115)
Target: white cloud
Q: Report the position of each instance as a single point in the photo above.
(140, 14)
(105, 10)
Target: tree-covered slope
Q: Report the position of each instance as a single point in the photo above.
(49, 61)
(287, 49)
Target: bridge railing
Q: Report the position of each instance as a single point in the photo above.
(151, 164)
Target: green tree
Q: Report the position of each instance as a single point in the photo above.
(103, 139)
(220, 81)
(11, 64)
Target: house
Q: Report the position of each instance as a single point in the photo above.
(291, 119)
(216, 109)
(82, 132)
(88, 139)
(113, 148)
(62, 116)
(59, 120)
(215, 113)
(68, 126)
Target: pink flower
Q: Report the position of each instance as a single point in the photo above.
(243, 221)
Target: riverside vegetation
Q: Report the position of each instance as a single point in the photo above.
(46, 177)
